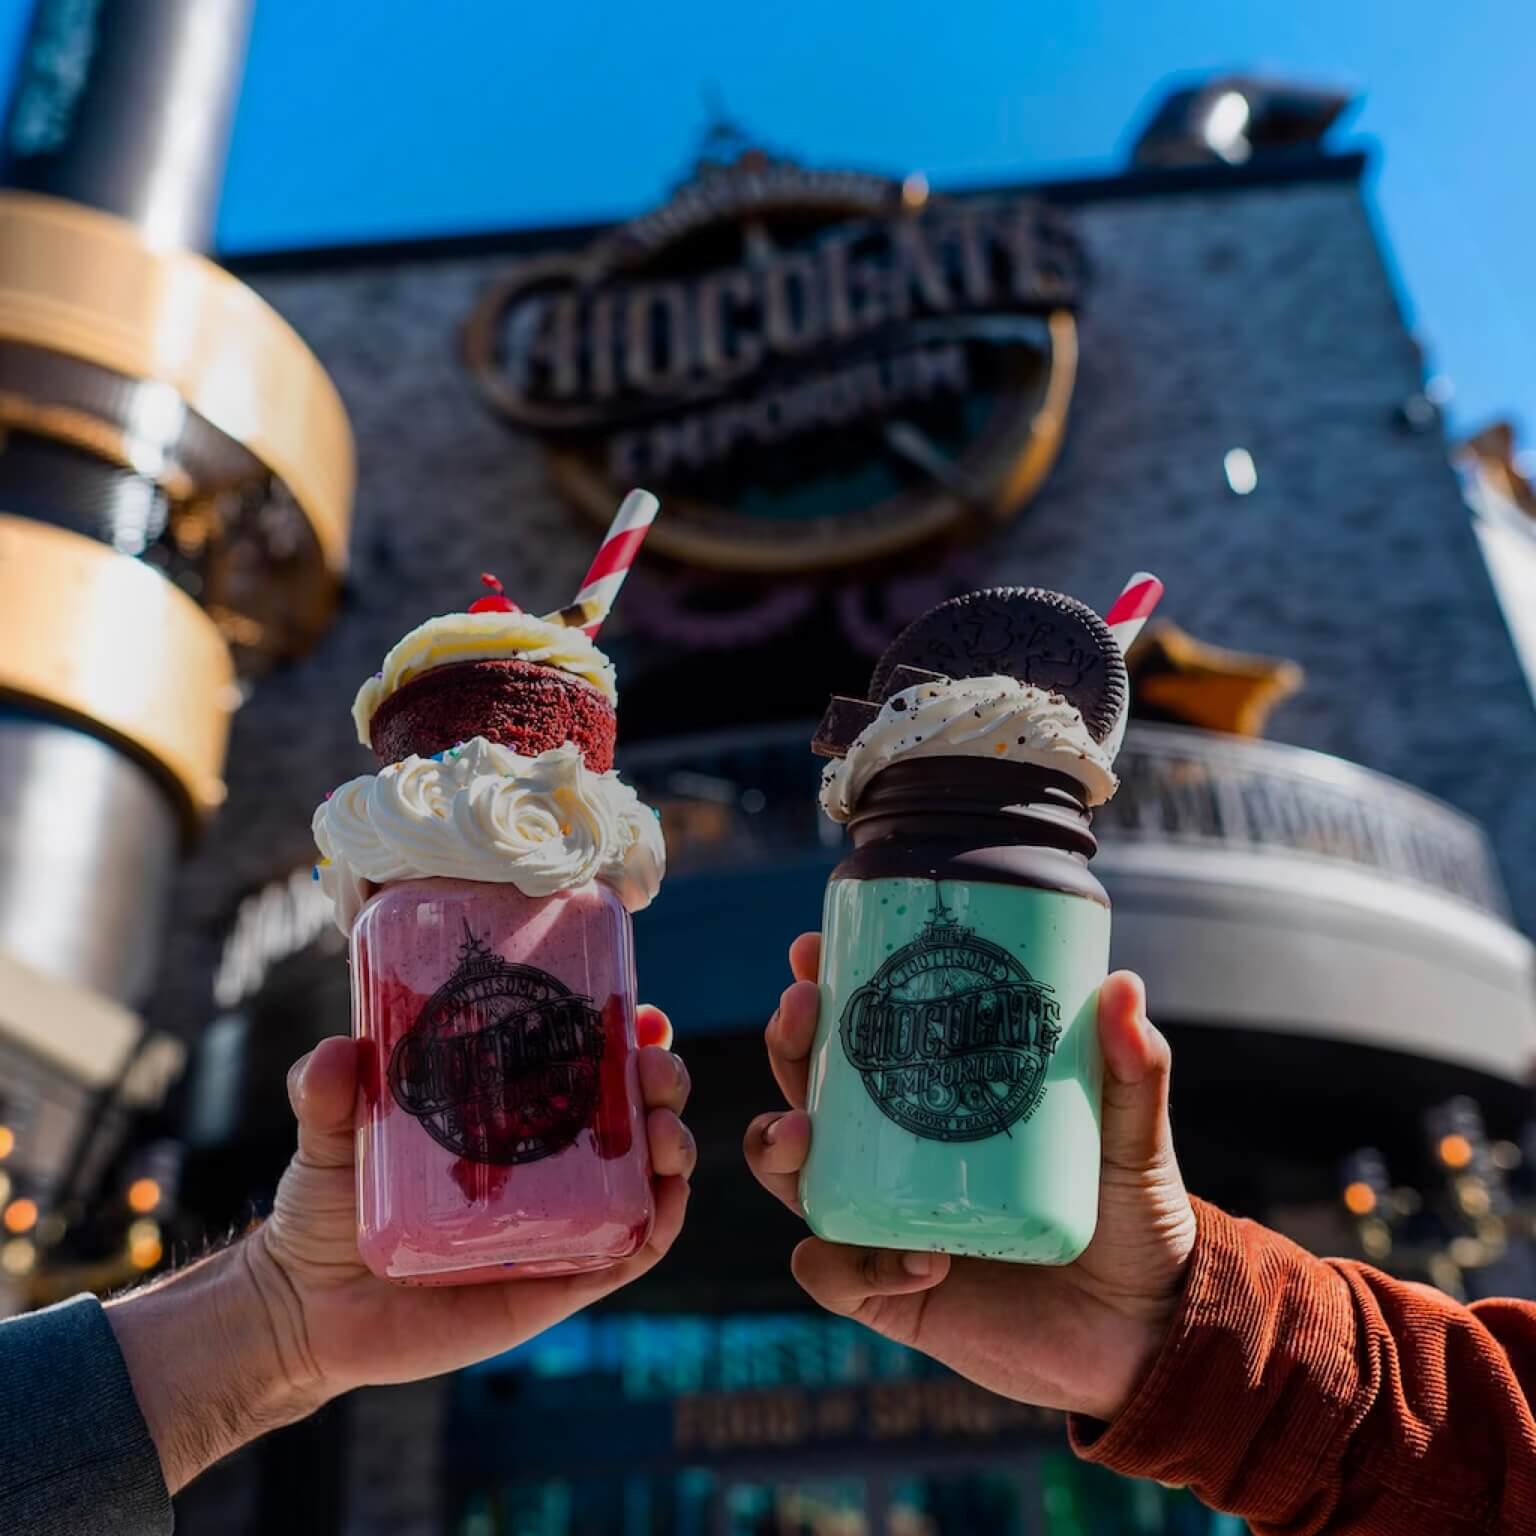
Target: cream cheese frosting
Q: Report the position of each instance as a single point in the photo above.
(455, 637)
(483, 812)
(991, 717)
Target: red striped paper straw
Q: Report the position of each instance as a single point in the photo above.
(614, 557)
(1133, 608)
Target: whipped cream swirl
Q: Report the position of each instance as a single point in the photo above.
(993, 717)
(455, 637)
(483, 812)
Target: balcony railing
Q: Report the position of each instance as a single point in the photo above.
(1207, 790)
(744, 798)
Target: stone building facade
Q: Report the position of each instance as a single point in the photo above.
(1224, 308)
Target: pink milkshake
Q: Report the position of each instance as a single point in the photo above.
(486, 874)
(503, 1130)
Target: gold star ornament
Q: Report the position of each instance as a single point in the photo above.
(1493, 458)
(1183, 681)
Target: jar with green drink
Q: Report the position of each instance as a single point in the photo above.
(955, 1078)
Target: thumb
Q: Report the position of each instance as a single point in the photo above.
(1136, 1068)
(849, 1280)
(321, 1088)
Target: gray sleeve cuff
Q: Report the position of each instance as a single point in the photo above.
(75, 1453)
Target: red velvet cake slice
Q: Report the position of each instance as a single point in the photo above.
(523, 705)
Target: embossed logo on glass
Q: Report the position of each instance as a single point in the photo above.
(503, 1062)
(952, 1035)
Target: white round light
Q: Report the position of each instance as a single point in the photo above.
(1242, 476)
(1225, 125)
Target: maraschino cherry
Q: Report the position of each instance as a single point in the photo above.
(497, 602)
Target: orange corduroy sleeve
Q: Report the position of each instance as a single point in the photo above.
(1320, 1397)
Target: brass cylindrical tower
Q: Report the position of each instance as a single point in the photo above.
(176, 476)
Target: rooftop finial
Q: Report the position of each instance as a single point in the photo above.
(726, 144)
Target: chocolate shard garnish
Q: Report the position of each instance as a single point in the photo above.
(908, 677)
(843, 721)
(1045, 639)
(573, 616)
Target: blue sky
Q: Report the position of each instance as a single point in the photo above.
(366, 121)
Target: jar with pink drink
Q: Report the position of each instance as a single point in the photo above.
(486, 874)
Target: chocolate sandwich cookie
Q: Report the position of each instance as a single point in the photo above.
(1044, 639)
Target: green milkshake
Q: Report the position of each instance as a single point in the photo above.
(955, 1079)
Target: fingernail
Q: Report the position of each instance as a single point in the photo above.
(918, 1265)
(771, 1132)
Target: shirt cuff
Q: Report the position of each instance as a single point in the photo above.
(75, 1452)
(1252, 1356)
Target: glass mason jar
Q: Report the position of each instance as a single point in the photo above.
(500, 1129)
(956, 1074)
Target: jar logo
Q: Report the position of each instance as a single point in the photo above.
(812, 367)
(503, 1062)
(952, 1035)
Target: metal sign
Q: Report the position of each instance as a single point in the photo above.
(814, 368)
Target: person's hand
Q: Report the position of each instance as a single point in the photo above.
(1078, 1337)
(262, 1333)
(339, 1326)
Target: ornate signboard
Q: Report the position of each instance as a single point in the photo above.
(813, 368)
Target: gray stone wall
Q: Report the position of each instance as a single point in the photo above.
(1258, 316)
